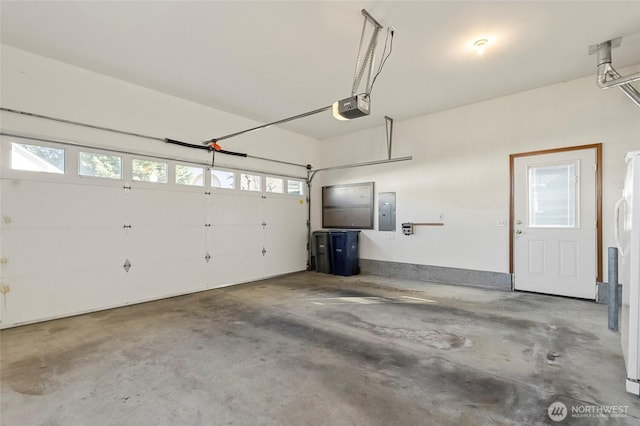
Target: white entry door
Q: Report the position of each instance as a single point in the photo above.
(554, 241)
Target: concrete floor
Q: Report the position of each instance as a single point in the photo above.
(315, 349)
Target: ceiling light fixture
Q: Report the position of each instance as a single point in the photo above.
(481, 45)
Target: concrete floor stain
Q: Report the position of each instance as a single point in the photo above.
(260, 354)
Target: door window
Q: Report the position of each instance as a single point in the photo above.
(553, 195)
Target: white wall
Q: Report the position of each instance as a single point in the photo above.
(460, 168)
(64, 245)
(41, 85)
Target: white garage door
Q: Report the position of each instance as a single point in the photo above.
(84, 230)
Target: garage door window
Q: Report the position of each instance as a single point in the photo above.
(294, 187)
(37, 158)
(250, 182)
(223, 179)
(189, 175)
(149, 171)
(275, 185)
(99, 165)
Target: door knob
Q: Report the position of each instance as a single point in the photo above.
(518, 231)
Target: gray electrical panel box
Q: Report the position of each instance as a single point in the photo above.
(387, 211)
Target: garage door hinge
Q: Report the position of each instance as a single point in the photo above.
(127, 265)
(264, 251)
(207, 257)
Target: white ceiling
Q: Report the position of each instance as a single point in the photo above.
(270, 60)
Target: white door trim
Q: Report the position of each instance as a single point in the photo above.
(598, 150)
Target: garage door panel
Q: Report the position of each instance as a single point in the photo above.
(61, 249)
(285, 210)
(237, 209)
(56, 205)
(147, 207)
(236, 239)
(166, 244)
(286, 250)
(39, 296)
(160, 279)
(236, 268)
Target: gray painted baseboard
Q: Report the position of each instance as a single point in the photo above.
(437, 274)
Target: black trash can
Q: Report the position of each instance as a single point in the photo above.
(322, 251)
(344, 252)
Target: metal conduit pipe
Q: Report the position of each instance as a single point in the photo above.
(631, 93)
(621, 81)
(613, 289)
(606, 72)
(628, 89)
(309, 241)
(603, 62)
(605, 69)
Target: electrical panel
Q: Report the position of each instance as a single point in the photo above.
(387, 211)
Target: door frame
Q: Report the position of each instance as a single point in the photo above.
(598, 148)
